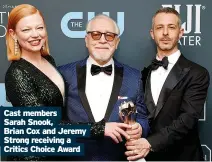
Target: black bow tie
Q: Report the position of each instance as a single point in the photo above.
(97, 69)
(156, 63)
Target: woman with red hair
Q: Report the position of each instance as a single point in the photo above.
(32, 78)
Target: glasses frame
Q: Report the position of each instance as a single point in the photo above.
(115, 35)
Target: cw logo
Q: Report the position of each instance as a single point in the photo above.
(76, 21)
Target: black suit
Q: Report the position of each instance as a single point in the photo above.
(174, 121)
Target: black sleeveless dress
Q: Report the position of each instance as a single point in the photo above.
(26, 85)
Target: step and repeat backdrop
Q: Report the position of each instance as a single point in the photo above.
(66, 21)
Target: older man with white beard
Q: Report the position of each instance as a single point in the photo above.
(96, 86)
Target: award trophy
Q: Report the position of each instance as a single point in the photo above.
(127, 113)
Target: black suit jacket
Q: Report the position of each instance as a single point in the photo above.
(174, 121)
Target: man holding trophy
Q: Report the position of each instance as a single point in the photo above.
(97, 86)
(128, 114)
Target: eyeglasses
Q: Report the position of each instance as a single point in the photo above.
(96, 35)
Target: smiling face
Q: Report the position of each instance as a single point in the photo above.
(101, 50)
(166, 32)
(30, 33)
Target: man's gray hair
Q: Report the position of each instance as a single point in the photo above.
(88, 25)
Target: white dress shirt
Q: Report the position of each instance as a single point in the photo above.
(159, 76)
(98, 89)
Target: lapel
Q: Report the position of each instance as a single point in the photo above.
(146, 79)
(145, 75)
(177, 73)
(81, 82)
(118, 77)
(148, 99)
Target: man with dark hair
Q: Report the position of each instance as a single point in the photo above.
(175, 92)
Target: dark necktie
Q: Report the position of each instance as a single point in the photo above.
(156, 63)
(97, 69)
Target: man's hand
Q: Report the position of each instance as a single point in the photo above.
(115, 130)
(135, 132)
(137, 149)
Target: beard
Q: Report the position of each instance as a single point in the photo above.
(102, 57)
(167, 47)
